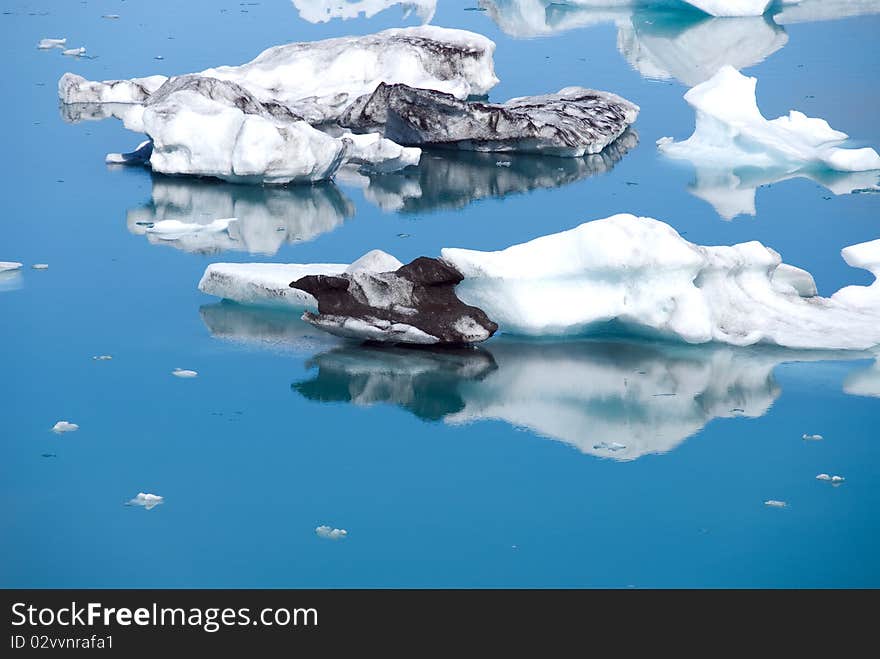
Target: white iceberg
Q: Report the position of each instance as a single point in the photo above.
(267, 216)
(318, 80)
(64, 426)
(40, 266)
(812, 438)
(640, 275)
(268, 284)
(322, 11)
(184, 373)
(731, 132)
(191, 236)
(774, 503)
(74, 52)
(47, 44)
(102, 358)
(9, 266)
(329, 533)
(146, 500)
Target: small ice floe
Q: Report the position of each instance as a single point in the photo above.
(613, 446)
(40, 266)
(184, 373)
(159, 57)
(812, 438)
(102, 358)
(140, 155)
(9, 266)
(831, 479)
(74, 52)
(48, 455)
(146, 500)
(175, 229)
(111, 17)
(773, 503)
(502, 163)
(64, 426)
(329, 533)
(48, 44)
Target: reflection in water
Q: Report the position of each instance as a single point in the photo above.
(731, 192)
(687, 46)
(453, 179)
(279, 329)
(613, 399)
(322, 11)
(10, 281)
(267, 217)
(865, 382)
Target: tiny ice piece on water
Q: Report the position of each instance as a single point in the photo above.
(146, 500)
(110, 16)
(74, 52)
(773, 503)
(837, 479)
(184, 373)
(329, 533)
(102, 358)
(40, 266)
(46, 44)
(6, 266)
(823, 477)
(812, 438)
(64, 426)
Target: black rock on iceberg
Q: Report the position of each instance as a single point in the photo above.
(572, 122)
(414, 304)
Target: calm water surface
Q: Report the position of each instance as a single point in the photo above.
(500, 466)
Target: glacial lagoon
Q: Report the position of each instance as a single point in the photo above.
(602, 461)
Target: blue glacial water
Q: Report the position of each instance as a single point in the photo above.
(495, 467)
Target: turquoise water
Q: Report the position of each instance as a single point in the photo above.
(494, 467)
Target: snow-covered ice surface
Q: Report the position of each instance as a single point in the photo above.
(268, 284)
(322, 11)
(267, 217)
(572, 122)
(317, 80)
(736, 150)
(612, 399)
(639, 273)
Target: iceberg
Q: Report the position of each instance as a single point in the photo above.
(637, 274)
(322, 11)
(318, 80)
(266, 217)
(416, 303)
(329, 533)
(49, 43)
(9, 266)
(613, 399)
(64, 426)
(731, 132)
(146, 500)
(184, 373)
(268, 284)
(571, 123)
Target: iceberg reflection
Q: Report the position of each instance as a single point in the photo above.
(265, 217)
(451, 179)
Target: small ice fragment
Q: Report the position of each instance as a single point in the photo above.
(329, 533)
(158, 57)
(48, 455)
(823, 477)
(6, 266)
(773, 503)
(110, 16)
(74, 52)
(502, 163)
(837, 479)
(46, 44)
(812, 438)
(40, 266)
(184, 373)
(64, 426)
(102, 358)
(146, 500)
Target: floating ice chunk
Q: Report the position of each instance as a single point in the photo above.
(641, 274)
(835, 480)
(268, 284)
(146, 500)
(329, 533)
(375, 153)
(322, 11)
(40, 266)
(102, 358)
(9, 266)
(572, 122)
(812, 438)
(318, 80)
(823, 477)
(47, 44)
(773, 503)
(184, 373)
(731, 132)
(111, 17)
(140, 155)
(865, 256)
(177, 230)
(64, 426)
(74, 52)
